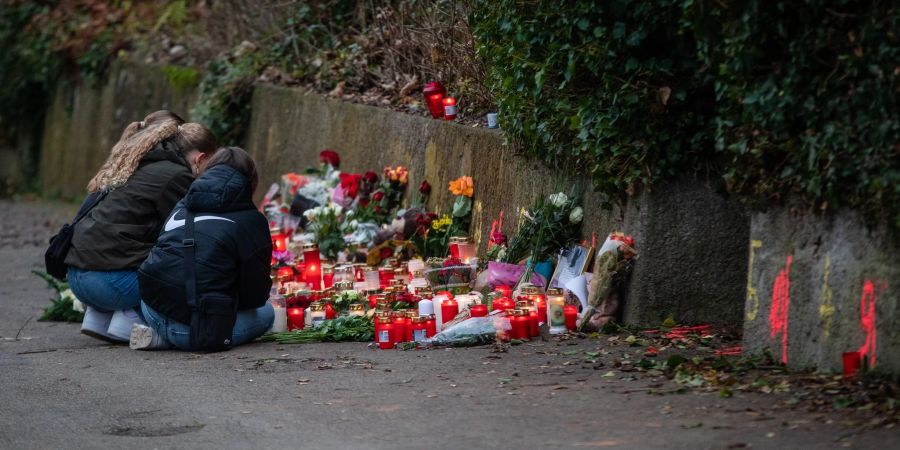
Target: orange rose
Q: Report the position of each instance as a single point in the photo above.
(462, 186)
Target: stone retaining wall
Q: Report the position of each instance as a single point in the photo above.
(820, 286)
(692, 243)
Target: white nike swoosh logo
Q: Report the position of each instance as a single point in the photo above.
(174, 223)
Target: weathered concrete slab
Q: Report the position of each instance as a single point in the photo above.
(693, 256)
(821, 286)
(84, 121)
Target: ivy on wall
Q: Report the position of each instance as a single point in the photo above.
(778, 97)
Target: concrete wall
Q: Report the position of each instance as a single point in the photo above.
(84, 121)
(692, 242)
(813, 282)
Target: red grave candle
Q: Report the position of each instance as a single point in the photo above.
(400, 325)
(385, 275)
(419, 331)
(434, 95)
(313, 267)
(385, 334)
(328, 277)
(519, 321)
(454, 247)
(430, 326)
(286, 271)
(295, 319)
(533, 327)
(449, 108)
(330, 313)
(478, 310)
(447, 293)
(410, 320)
(279, 239)
(505, 290)
(503, 303)
(541, 303)
(571, 314)
(449, 310)
(300, 272)
(852, 363)
(373, 300)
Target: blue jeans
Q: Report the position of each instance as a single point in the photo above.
(106, 291)
(250, 324)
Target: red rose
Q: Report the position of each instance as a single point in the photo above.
(377, 196)
(330, 157)
(350, 183)
(425, 188)
(371, 177)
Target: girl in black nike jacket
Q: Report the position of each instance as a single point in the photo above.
(233, 252)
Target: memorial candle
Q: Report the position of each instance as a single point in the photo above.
(430, 326)
(503, 303)
(385, 335)
(295, 319)
(400, 324)
(313, 266)
(478, 310)
(327, 276)
(434, 95)
(571, 315)
(419, 330)
(449, 310)
(519, 321)
(279, 239)
(356, 310)
(449, 108)
(556, 311)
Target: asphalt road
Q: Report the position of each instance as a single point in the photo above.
(61, 389)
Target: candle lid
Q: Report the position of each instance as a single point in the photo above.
(310, 246)
(384, 319)
(276, 230)
(530, 290)
(356, 307)
(554, 291)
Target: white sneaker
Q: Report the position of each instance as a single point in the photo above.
(146, 338)
(120, 325)
(96, 324)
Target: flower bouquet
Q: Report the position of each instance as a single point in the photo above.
(612, 266)
(549, 225)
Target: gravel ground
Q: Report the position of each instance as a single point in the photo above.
(59, 388)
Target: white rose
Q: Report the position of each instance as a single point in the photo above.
(558, 199)
(576, 215)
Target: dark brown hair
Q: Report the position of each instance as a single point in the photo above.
(238, 159)
(193, 136)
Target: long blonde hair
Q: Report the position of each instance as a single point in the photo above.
(135, 143)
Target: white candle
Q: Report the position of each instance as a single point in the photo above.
(426, 307)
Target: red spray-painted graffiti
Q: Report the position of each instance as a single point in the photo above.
(867, 320)
(781, 300)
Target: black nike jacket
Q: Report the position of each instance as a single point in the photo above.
(233, 247)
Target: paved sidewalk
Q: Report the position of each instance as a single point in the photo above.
(61, 389)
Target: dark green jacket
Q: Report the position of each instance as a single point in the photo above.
(119, 233)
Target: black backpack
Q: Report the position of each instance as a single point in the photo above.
(55, 256)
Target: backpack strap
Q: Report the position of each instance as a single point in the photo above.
(190, 274)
